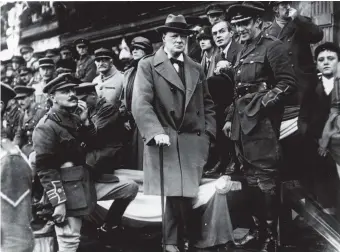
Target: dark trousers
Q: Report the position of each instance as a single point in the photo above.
(177, 215)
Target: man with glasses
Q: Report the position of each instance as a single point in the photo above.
(110, 80)
(86, 68)
(263, 80)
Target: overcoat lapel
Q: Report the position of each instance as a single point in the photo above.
(192, 75)
(164, 67)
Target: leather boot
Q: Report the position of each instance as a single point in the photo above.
(214, 172)
(253, 235)
(269, 240)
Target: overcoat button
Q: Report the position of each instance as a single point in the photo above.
(172, 112)
(198, 133)
(289, 40)
(292, 65)
(197, 112)
(290, 53)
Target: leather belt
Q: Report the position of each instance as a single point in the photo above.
(249, 88)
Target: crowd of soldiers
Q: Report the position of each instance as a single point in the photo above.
(257, 105)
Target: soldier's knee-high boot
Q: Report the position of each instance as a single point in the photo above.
(268, 235)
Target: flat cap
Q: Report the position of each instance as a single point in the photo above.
(142, 43)
(102, 53)
(26, 48)
(214, 8)
(23, 91)
(24, 70)
(245, 11)
(7, 93)
(84, 89)
(46, 62)
(62, 81)
(81, 41)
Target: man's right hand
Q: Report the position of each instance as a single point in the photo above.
(59, 213)
(227, 129)
(162, 140)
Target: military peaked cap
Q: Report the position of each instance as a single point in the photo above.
(84, 89)
(62, 81)
(26, 48)
(23, 91)
(24, 70)
(81, 41)
(18, 59)
(245, 11)
(46, 62)
(102, 53)
(214, 8)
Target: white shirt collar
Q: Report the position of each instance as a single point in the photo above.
(180, 57)
(226, 49)
(328, 84)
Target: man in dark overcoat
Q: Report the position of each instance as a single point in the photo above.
(263, 79)
(59, 141)
(172, 107)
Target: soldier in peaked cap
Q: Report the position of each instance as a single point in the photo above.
(86, 68)
(109, 80)
(215, 13)
(26, 52)
(61, 142)
(17, 61)
(16, 186)
(263, 81)
(26, 76)
(172, 107)
(32, 113)
(66, 52)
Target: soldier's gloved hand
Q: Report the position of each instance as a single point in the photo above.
(162, 140)
(227, 129)
(59, 213)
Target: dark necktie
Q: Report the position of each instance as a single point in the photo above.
(180, 68)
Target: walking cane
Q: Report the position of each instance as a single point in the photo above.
(162, 193)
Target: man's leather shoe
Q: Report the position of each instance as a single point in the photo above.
(171, 248)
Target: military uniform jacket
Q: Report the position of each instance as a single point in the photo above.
(263, 79)
(56, 141)
(86, 69)
(298, 35)
(11, 121)
(16, 207)
(105, 138)
(29, 119)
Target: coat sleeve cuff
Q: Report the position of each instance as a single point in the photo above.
(56, 195)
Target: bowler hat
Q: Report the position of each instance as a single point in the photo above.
(176, 24)
(102, 53)
(23, 91)
(329, 46)
(142, 43)
(214, 8)
(245, 11)
(62, 81)
(46, 62)
(24, 70)
(85, 89)
(26, 48)
(204, 33)
(81, 41)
